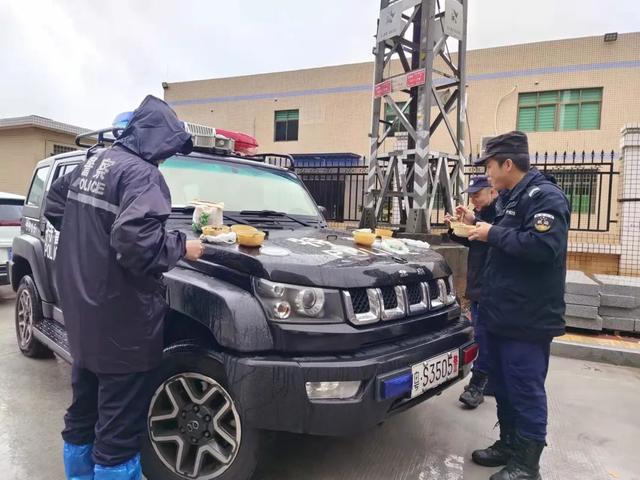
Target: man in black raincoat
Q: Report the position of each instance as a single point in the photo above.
(111, 212)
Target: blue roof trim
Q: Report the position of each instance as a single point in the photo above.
(585, 67)
(265, 96)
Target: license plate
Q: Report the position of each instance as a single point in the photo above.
(5, 255)
(435, 371)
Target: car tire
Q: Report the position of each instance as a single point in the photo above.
(29, 313)
(167, 421)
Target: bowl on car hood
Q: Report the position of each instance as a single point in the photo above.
(327, 258)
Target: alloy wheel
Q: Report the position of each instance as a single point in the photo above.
(25, 319)
(194, 426)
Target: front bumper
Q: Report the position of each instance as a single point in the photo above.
(271, 390)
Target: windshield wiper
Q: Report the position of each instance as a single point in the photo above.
(271, 214)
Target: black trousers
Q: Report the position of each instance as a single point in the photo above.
(110, 411)
(518, 370)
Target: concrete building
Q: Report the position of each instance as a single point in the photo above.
(24, 141)
(569, 95)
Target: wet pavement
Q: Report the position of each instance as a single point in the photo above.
(594, 431)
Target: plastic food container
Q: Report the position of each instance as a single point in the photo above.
(462, 229)
(364, 237)
(384, 233)
(214, 231)
(243, 229)
(251, 239)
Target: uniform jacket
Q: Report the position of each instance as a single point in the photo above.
(523, 295)
(477, 255)
(111, 212)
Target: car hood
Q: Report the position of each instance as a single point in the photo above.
(327, 258)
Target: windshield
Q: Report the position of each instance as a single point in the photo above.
(239, 187)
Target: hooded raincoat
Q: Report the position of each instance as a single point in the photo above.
(113, 249)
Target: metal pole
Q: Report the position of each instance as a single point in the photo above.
(418, 221)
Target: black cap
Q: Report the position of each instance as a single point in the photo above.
(477, 183)
(512, 145)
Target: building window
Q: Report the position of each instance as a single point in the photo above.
(62, 149)
(390, 117)
(580, 187)
(559, 110)
(286, 125)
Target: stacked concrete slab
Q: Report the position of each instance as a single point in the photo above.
(582, 296)
(619, 302)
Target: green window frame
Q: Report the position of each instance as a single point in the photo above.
(286, 125)
(580, 187)
(560, 110)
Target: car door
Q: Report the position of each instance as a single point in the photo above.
(51, 235)
(32, 225)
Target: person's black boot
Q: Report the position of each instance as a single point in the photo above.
(473, 393)
(525, 462)
(500, 452)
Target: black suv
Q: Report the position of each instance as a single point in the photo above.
(309, 333)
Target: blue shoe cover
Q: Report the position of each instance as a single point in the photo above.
(77, 461)
(130, 470)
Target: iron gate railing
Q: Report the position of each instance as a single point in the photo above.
(589, 180)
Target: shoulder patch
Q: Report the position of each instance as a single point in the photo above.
(543, 222)
(533, 191)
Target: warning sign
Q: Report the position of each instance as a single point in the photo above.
(401, 82)
(453, 19)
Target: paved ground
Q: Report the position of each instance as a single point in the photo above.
(594, 434)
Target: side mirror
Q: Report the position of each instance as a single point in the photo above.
(323, 211)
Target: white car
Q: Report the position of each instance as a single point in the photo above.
(10, 218)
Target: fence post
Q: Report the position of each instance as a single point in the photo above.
(630, 200)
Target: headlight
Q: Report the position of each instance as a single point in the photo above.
(290, 303)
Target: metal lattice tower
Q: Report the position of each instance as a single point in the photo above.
(413, 34)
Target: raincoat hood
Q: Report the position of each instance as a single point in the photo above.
(154, 132)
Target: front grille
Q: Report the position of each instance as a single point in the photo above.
(368, 306)
(414, 294)
(434, 291)
(389, 298)
(360, 300)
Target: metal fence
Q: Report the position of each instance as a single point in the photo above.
(589, 180)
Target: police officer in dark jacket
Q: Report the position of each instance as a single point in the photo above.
(111, 212)
(483, 197)
(523, 304)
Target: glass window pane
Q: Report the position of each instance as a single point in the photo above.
(546, 118)
(568, 118)
(292, 130)
(527, 99)
(589, 116)
(10, 211)
(281, 131)
(591, 94)
(570, 96)
(527, 119)
(36, 192)
(284, 115)
(548, 97)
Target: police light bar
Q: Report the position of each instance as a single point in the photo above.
(205, 137)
